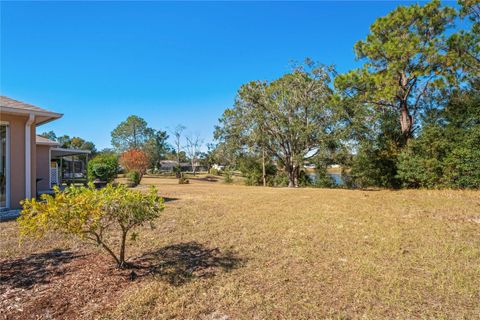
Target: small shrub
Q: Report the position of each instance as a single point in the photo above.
(253, 179)
(280, 179)
(134, 178)
(228, 176)
(178, 171)
(183, 180)
(214, 171)
(303, 179)
(103, 167)
(252, 170)
(98, 216)
(322, 179)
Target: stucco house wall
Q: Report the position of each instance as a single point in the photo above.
(43, 167)
(19, 116)
(16, 126)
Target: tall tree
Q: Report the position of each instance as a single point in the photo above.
(177, 136)
(464, 45)
(209, 158)
(157, 147)
(402, 62)
(132, 133)
(193, 150)
(290, 117)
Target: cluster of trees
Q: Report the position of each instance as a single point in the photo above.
(408, 116)
(137, 148)
(68, 142)
(135, 134)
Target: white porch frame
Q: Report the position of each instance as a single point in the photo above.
(28, 155)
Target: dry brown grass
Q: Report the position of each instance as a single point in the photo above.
(265, 253)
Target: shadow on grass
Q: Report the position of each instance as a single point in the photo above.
(179, 263)
(37, 268)
(207, 178)
(167, 199)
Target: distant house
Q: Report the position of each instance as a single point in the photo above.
(218, 167)
(170, 165)
(26, 159)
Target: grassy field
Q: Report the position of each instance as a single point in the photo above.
(233, 252)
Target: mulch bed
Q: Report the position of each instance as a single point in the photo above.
(63, 284)
(59, 284)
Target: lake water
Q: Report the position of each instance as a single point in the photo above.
(337, 178)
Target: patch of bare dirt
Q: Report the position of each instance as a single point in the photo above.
(59, 284)
(65, 284)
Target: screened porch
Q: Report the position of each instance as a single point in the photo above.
(68, 166)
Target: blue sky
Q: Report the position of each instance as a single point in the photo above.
(170, 63)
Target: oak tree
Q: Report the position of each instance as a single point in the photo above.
(290, 117)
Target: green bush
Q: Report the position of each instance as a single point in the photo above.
(280, 179)
(442, 158)
(103, 167)
(417, 172)
(304, 180)
(446, 154)
(228, 176)
(134, 177)
(374, 167)
(178, 171)
(251, 169)
(104, 217)
(183, 180)
(322, 179)
(214, 171)
(462, 168)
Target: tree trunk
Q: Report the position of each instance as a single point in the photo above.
(121, 258)
(292, 176)
(297, 174)
(406, 122)
(193, 167)
(99, 241)
(134, 136)
(264, 175)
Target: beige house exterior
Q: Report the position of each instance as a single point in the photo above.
(43, 162)
(18, 164)
(27, 161)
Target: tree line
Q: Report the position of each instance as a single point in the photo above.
(407, 117)
(137, 147)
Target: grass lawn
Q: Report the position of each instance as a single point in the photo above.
(234, 252)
